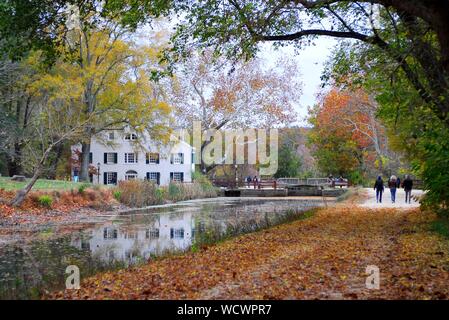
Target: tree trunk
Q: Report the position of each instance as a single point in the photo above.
(55, 161)
(15, 161)
(84, 163)
(21, 194)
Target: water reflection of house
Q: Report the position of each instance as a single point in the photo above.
(130, 242)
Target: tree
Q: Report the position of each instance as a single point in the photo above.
(112, 77)
(54, 122)
(289, 163)
(233, 96)
(17, 107)
(236, 27)
(27, 25)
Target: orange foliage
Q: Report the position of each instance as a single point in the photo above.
(63, 202)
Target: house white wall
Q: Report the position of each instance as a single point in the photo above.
(102, 144)
(122, 243)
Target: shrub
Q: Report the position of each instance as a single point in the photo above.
(82, 188)
(45, 200)
(174, 191)
(117, 194)
(139, 193)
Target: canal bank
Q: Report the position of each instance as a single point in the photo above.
(35, 265)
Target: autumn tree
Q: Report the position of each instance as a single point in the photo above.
(54, 121)
(243, 95)
(112, 77)
(345, 126)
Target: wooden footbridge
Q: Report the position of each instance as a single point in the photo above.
(282, 187)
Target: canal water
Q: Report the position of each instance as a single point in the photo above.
(27, 269)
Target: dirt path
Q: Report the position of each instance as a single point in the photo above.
(400, 203)
(322, 257)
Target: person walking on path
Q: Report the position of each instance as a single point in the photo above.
(379, 187)
(392, 184)
(407, 184)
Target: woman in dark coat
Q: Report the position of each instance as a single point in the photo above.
(379, 187)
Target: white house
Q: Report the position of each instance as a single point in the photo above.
(119, 155)
(119, 242)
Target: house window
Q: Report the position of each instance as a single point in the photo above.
(154, 177)
(130, 157)
(152, 157)
(131, 235)
(109, 233)
(111, 135)
(152, 233)
(177, 158)
(85, 245)
(176, 233)
(177, 176)
(110, 178)
(110, 157)
(130, 136)
(131, 175)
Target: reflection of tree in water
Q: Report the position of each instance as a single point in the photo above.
(25, 270)
(133, 238)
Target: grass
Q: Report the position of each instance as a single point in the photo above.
(441, 226)
(41, 184)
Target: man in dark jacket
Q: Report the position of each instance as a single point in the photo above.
(407, 184)
(379, 187)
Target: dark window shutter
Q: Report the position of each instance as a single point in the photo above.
(115, 157)
(157, 161)
(137, 157)
(158, 178)
(90, 157)
(105, 157)
(115, 178)
(171, 176)
(171, 233)
(182, 157)
(171, 158)
(147, 158)
(182, 176)
(105, 178)
(148, 175)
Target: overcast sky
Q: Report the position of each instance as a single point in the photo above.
(311, 62)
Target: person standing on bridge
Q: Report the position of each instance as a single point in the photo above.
(255, 181)
(379, 187)
(407, 184)
(248, 181)
(392, 184)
